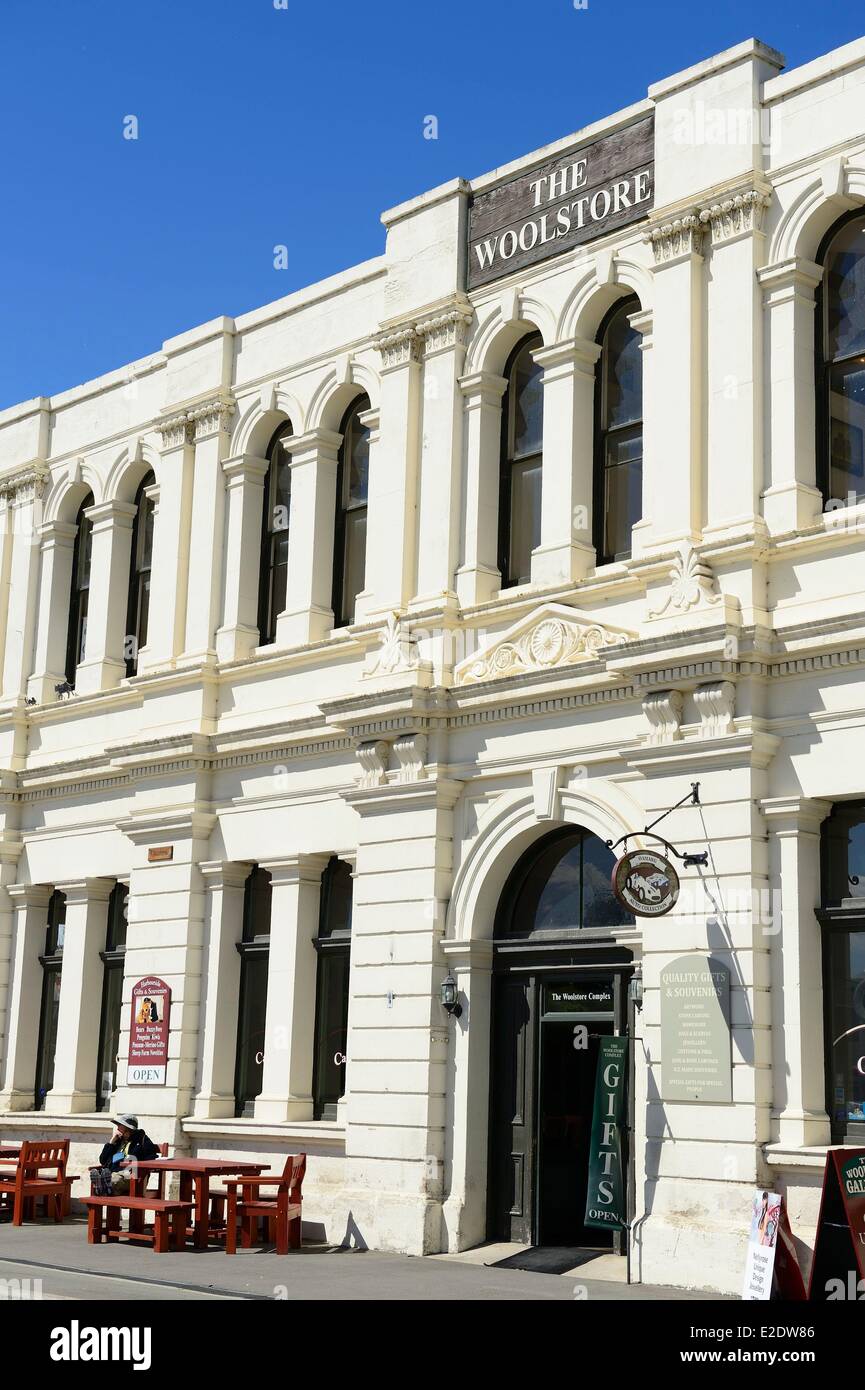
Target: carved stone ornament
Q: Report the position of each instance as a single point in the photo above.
(399, 346)
(692, 584)
(410, 750)
(716, 705)
(663, 712)
(682, 236)
(741, 212)
(372, 758)
(24, 485)
(397, 652)
(551, 636)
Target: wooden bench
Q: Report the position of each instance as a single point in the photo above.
(28, 1183)
(170, 1219)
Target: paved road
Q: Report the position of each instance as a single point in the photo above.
(71, 1269)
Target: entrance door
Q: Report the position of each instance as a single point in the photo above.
(566, 1095)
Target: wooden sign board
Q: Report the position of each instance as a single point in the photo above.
(148, 1033)
(838, 1266)
(562, 203)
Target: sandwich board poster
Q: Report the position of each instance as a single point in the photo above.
(772, 1266)
(838, 1267)
(148, 1033)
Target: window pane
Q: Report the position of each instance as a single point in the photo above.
(528, 403)
(331, 1031)
(845, 294)
(146, 547)
(358, 473)
(118, 917)
(623, 504)
(250, 1031)
(847, 404)
(336, 900)
(47, 1034)
(525, 518)
(355, 561)
(85, 550)
(847, 1026)
(143, 611)
(623, 363)
(601, 908)
(257, 900)
(106, 1073)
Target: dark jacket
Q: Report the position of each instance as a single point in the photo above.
(140, 1147)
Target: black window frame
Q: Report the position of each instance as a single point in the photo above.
(79, 592)
(51, 961)
(343, 611)
(626, 307)
(508, 463)
(268, 610)
(139, 574)
(839, 916)
(113, 958)
(333, 950)
(823, 366)
(253, 949)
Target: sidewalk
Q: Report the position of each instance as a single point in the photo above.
(69, 1268)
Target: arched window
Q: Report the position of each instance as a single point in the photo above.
(521, 463)
(76, 636)
(841, 363)
(618, 434)
(562, 884)
(273, 573)
(352, 484)
(113, 959)
(254, 949)
(52, 965)
(333, 946)
(140, 560)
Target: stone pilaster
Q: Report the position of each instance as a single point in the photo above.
(245, 480)
(308, 615)
(478, 577)
(30, 917)
(210, 424)
(104, 665)
(55, 595)
(74, 1088)
(566, 553)
(223, 928)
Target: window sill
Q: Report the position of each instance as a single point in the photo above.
(316, 1134)
(812, 1157)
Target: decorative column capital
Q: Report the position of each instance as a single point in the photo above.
(295, 868)
(105, 515)
(319, 444)
(211, 417)
(29, 894)
(675, 240)
(85, 890)
(25, 484)
(445, 327)
(742, 211)
(174, 429)
(244, 468)
(483, 388)
(793, 278)
(567, 357)
(58, 534)
(795, 815)
(218, 874)
(399, 346)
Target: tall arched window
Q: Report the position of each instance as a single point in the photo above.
(618, 434)
(333, 946)
(76, 637)
(352, 484)
(49, 1013)
(113, 959)
(140, 560)
(254, 949)
(521, 463)
(273, 574)
(841, 363)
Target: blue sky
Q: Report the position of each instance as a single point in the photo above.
(261, 126)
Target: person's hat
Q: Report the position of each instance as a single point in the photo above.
(127, 1121)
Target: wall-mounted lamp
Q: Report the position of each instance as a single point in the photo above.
(451, 997)
(635, 989)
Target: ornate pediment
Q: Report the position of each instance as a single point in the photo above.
(551, 636)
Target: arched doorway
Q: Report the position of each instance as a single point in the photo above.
(557, 966)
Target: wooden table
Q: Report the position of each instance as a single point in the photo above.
(195, 1175)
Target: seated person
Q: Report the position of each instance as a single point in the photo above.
(127, 1145)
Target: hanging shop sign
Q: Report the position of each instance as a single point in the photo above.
(696, 1057)
(838, 1266)
(148, 1033)
(771, 1265)
(562, 203)
(645, 883)
(605, 1198)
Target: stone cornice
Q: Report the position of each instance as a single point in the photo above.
(741, 211)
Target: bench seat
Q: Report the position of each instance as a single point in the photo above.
(170, 1220)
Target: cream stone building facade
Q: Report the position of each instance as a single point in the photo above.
(377, 675)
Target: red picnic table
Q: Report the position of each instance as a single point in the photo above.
(195, 1175)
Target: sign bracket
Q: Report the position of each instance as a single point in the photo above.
(689, 861)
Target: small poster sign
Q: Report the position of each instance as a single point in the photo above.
(771, 1265)
(605, 1199)
(148, 1033)
(838, 1266)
